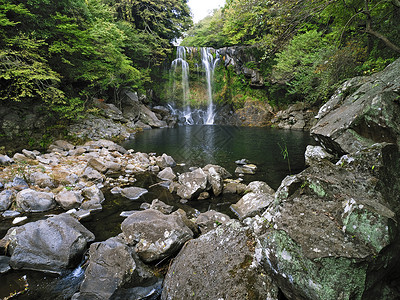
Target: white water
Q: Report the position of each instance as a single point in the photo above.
(188, 115)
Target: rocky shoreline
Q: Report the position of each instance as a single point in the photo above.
(329, 232)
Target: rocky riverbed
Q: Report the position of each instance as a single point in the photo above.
(329, 232)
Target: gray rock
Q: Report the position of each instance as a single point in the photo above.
(97, 165)
(215, 180)
(339, 218)
(316, 153)
(165, 161)
(154, 234)
(10, 214)
(149, 117)
(218, 265)
(19, 157)
(210, 220)
(5, 160)
(246, 169)
(161, 206)
(6, 198)
(259, 187)
(367, 116)
(51, 245)
(192, 184)
(94, 198)
(242, 161)
(32, 201)
(112, 264)
(42, 180)
(64, 145)
(133, 193)
(234, 188)
(162, 110)
(252, 204)
(93, 175)
(69, 199)
(29, 154)
(4, 264)
(19, 183)
(167, 174)
(220, 170)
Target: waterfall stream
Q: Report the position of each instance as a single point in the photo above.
(180, 65)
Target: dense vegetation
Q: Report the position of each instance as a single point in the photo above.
(62, 53)
(307, 48)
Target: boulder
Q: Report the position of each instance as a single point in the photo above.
(192, 184)
(4, 264)
(332, 231)
(218, 265)
(367, 113)
(149, 117)
(165, 161)
(112, 265)
(6, 198)
(167, 174)
(246, 169)
(42, 180)
(162, 110)
(252, 204)
(51, 245)
(5, 160)
(215, 180)
(316, 153)
(161, 206)
(154, 234)
(32, 201)
(210, 220)
(93, 175)
(259, 187)
(133, 193)
(97, 165)
(69, 199)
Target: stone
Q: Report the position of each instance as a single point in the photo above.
(97, 165)
(218, 265)
(9, 214)
(347, 218)
(4, 264)
(369, 114)
(112, 265)
(19, 157)
(246, 169)
(165, 161)
(162, 110)
(42, 180)
(93, 175)
(242, 161)
(133, 193)
(29, 154)
(154, 234)
(167, 174)
(93, 193)
(69, 199)
(18, 220)
(192, 184)
(215, 180)
(210, 220)
(6, 198)
(252, 204)
(64, 145)
(234, 188)
(5, 160)
(52, 245)
(32, 201)
(220, 170)
(149, 117)
(259, 187)
(316, 153)
(161, 206)
(19, 183)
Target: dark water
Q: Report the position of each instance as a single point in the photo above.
(200, 145)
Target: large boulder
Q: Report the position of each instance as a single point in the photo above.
(192, 184)
(112, 265)
(218, 265)
(69, 199)
(6, 198)
(333, 231)
(50, 245)
(33, 201)
(43, 180)
(133, 193)
(150, 118)
(364, 111)
(154, 234)
(252, 204)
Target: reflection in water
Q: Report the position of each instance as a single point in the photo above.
(222, 145)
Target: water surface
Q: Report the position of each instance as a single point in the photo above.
(199, 145)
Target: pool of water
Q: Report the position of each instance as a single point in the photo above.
(198, 145)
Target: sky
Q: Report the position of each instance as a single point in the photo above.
(201, 8)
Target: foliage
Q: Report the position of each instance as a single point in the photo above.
(61, 53)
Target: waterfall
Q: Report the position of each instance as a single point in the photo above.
(209, 64)
(181, 61)
(180, 65)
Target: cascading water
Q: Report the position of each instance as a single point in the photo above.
(181, 61)
(209, 64)
(205, 66)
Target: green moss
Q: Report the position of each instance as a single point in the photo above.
(323, 278)
(317, 188)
